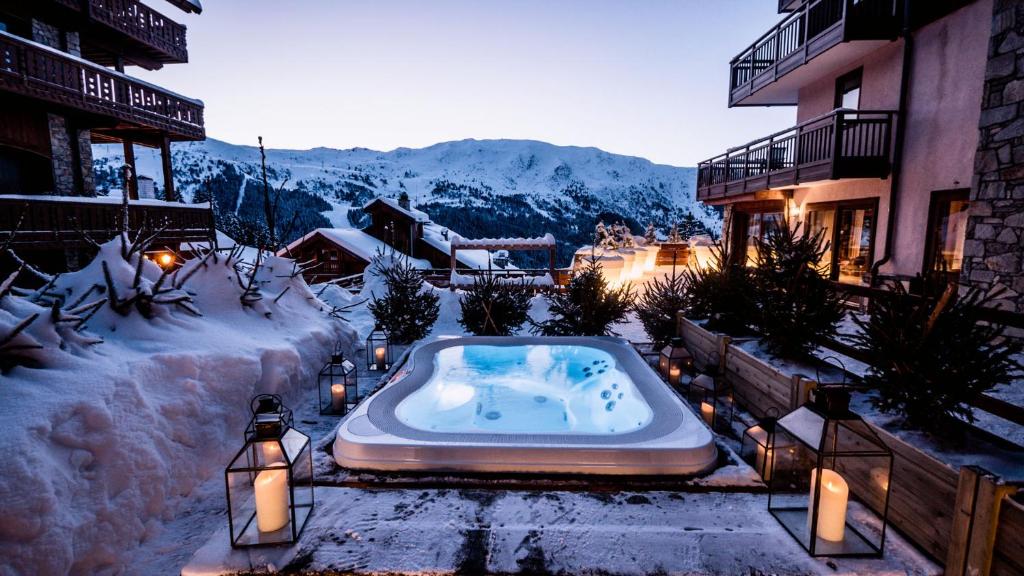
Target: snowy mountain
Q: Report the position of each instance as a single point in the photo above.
(476, 187)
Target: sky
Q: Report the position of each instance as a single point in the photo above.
(645, 78)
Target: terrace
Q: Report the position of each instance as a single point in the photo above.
(151, 35)
(841, 144)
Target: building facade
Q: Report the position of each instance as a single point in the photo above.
(889, 98)
(63, 87)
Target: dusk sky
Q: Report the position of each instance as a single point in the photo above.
(645, 78)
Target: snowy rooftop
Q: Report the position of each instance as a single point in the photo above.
(417, 215)
(116, 199)
(355, 241)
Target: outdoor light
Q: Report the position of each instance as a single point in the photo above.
(833, 457)
(378, 350)
(336, 385)
(715, 398)
(674, 361)
(759, 444)
(270, 480)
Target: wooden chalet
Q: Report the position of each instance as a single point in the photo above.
(64, 87)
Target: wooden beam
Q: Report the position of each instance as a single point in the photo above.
(976, 521)
(165, 157)
(133, 179)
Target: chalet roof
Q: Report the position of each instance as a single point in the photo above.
(192, 6)
(356, 242)
(414, 214)
(432, 235)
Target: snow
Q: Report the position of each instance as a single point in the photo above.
(465, 280)
(541, 242)
(416, 215)
(355, 241)
(102, 200)
(107, 444)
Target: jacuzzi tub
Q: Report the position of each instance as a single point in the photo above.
(525, 404)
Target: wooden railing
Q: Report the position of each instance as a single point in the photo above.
(839, 20)
(143, 24)
(41, 72)
(61, 222)
(843, 143)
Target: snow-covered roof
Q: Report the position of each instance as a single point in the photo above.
(432, 235)
(355, 241)
(101, 200)
(223, 242)
(544, 241)
(417, 215)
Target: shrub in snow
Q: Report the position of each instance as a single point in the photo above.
(494, 306)
(797, 306)
(657, 306)
(720, 293)
(587, 306)
(929, 357)
(408, 309)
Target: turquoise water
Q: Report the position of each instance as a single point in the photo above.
(526, 389)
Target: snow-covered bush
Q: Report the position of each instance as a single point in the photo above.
(587, 306)
(797, 306)
(494, 306)
(930, 357)
(407, 309)
(658, 304)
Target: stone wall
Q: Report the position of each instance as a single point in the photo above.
(994, 247)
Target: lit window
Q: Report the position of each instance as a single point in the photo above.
(850, 230)
(947, 228)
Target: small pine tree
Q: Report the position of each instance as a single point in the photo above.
(493, 306)
(658, 305)
(929, 357)
(673, 235)
(721, 293)
(587, 307)
(797, 306)
(408, 310)
(603, 238)
(650, 235)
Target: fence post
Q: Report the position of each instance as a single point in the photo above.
(800, 390)
(979, 496)
(724, 342)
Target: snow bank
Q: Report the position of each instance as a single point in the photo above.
(104, 446)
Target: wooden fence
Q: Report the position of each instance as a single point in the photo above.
(974, 531)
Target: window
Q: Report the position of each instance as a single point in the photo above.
(849, 227)
(751, 223)
(848, 90)
(947, 226)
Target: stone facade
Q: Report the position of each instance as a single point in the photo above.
(62, 158)
(994, 246)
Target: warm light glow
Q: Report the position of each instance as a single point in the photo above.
(271, 452)
(337, 397)
(271, 488)
(165, 259)
(831, 505)
(674, 374)
(707, 411)
(380, 357)
(763, 462)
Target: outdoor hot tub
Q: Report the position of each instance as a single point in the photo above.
(525, 404)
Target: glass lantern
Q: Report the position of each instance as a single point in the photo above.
(830, 487)
(758, 445)
(714, 397)
(337, 386)
(675, 361)
(270, 480)
(378, 350)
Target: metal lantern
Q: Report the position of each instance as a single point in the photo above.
(270, 480)
(834, 457)
(714, 396)
(758, 445)
(337, 387)
(378, 350)
(675, 361)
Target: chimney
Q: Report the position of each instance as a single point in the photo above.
(403, 201)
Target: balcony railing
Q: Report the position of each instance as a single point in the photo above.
(64, 222)
(38, 71)
(809, 30)
(841, 144)
(143, 24)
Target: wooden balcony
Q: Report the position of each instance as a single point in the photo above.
(66, 222)
(42, 73)
(766, 73)
(841, 144)
(164, 37)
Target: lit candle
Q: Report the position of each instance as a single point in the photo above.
(707, 411)
(271, 452)
(380, 355)
(831, 505)
(271, 500)
(337, 397)
(673, 375)
(763, 462)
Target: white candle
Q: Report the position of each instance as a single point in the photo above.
(271, 452)
(673, 375)
(707, 411)
(763, 462)
(831, 505)
(380, 355)
(337, 397)
(271, 500)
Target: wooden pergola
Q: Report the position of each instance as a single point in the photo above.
(545, 242)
